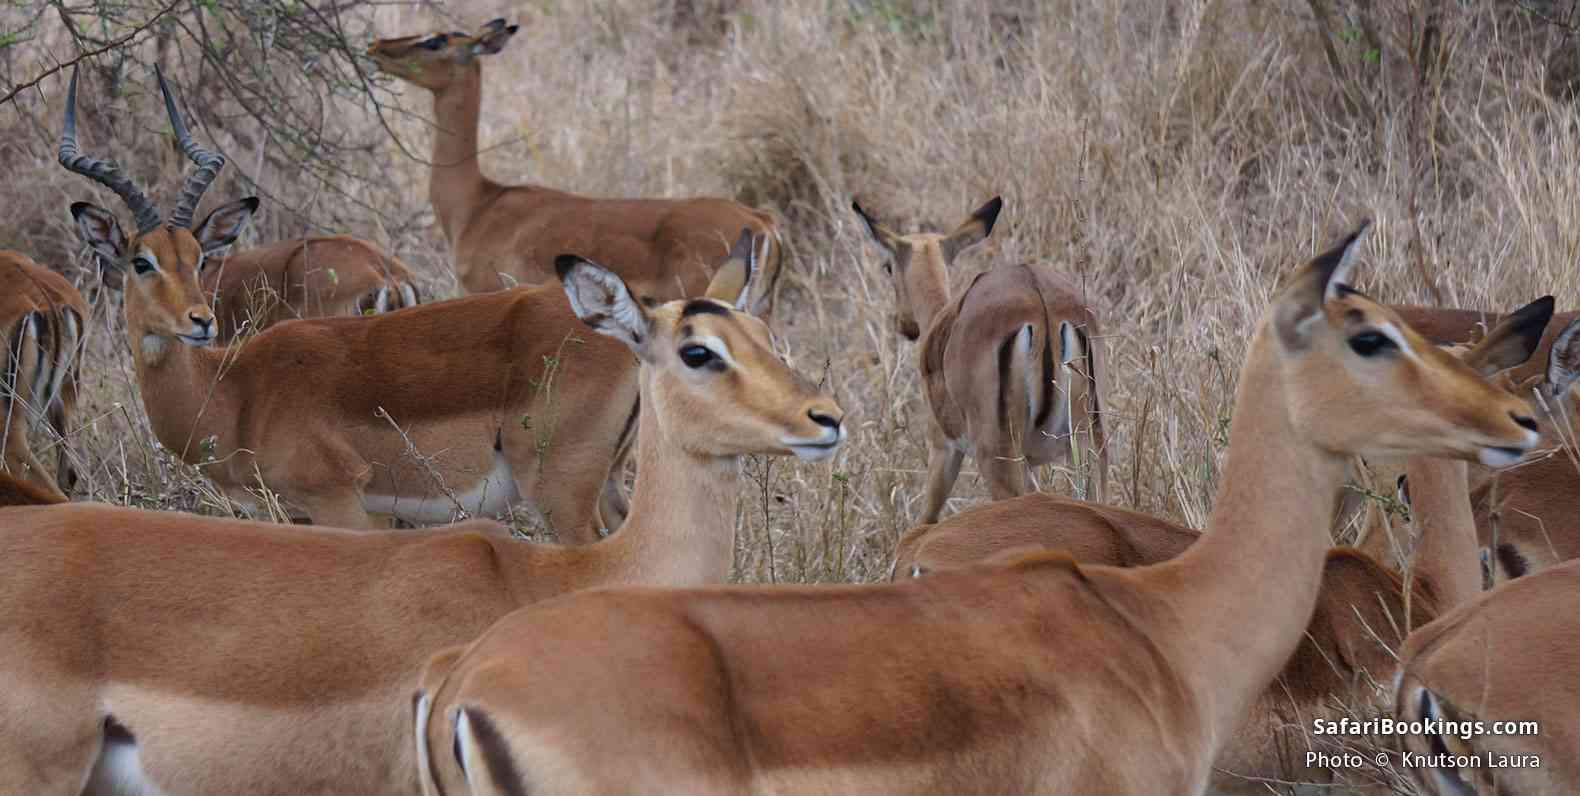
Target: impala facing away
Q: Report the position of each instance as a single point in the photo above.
(663, 248)
(178, 654)
(996, 361)
(1508, 656)
(459, 406)
(1003, 677)
(315, 277)
(41, 325)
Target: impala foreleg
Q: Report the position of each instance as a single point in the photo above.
(943, 467)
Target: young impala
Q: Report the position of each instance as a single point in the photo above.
(1037, 675)
(996, 361)
(459, 406)
(314, 277)
(157, 652)
(663, 248)
(41, 325)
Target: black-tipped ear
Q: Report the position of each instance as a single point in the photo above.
(1317, 282)
(732, 283)
(102, 232)
(1563, 362)
(1401, 490)
(225, 224)
(973, 230)
(600, 298)
(1513, 339)
(880, 234)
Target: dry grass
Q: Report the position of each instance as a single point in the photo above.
(1178, 162)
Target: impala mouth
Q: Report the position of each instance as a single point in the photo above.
(816, 450)
(196, 341)
(1500, 456)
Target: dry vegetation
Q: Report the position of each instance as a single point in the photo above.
(1178, 157)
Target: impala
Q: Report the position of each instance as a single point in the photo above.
(663, 248)
(1037, 675)
(1528, 515)
(1361, 613)
(41, 325)
(456, 407)
(176, 654)
(995, 361)
(1508, 656)
(312, 277)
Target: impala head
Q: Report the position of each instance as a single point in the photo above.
(437, 61)
(918, 264)
(157, 266)
(1357, 380)
(709, 368)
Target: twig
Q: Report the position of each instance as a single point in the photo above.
(137, 31)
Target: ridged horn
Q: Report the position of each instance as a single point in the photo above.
(208, 163)
(104, 172)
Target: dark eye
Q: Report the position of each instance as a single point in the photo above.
(695, 356)
(887, 268)
(142, 265)
(1370, 344)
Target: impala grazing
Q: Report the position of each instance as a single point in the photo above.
(462, 406)
(1004, 677)
(1509, 657)
(1361, 614)
(315, 277)
(510, 234)
(176, 654)
(996, 361)
(41, 326)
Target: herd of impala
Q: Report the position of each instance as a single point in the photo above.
(1036, 644)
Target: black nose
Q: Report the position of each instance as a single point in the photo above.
(201, 321)
(822, 419)
(1524, 421)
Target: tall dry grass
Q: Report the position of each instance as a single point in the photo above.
(1177, 158)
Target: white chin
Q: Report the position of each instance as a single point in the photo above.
(1498, 457)
(813, 453)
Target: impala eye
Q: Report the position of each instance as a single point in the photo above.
(887, 268)
(142, 265)
(1370, 344)
(696, 356)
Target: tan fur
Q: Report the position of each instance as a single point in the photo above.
(663, 248)
(1527, 515)
(1040, 676)
(271, 660)
(1005, 406)
(42, 318)
(16, 492)
(315, 277)
(1510, 655)
(1360, 615)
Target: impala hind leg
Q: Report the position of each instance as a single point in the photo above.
(340, 510)
(48, 744)
(943, 468)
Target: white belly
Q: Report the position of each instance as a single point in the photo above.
(489, 496)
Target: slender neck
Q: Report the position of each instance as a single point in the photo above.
(1447, 554)
(680, 530)
(182, 391)
(928, 284)
(456, 185)
(1243, 594)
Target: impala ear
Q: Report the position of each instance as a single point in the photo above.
(881, 234)
(600, 298)
(1513, 339)
(225, 224)
(102, 232)
(495, 35)
(1300, 302)
(1563, 362)
(973, 230)
(737, 276)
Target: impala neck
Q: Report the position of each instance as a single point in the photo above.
(1243, 594)
(456, 185)
(681, 527)
(182, 391)
(929, 290)
(1447, 560)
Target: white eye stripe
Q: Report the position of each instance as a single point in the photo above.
(1388, 330)
(716, 345)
